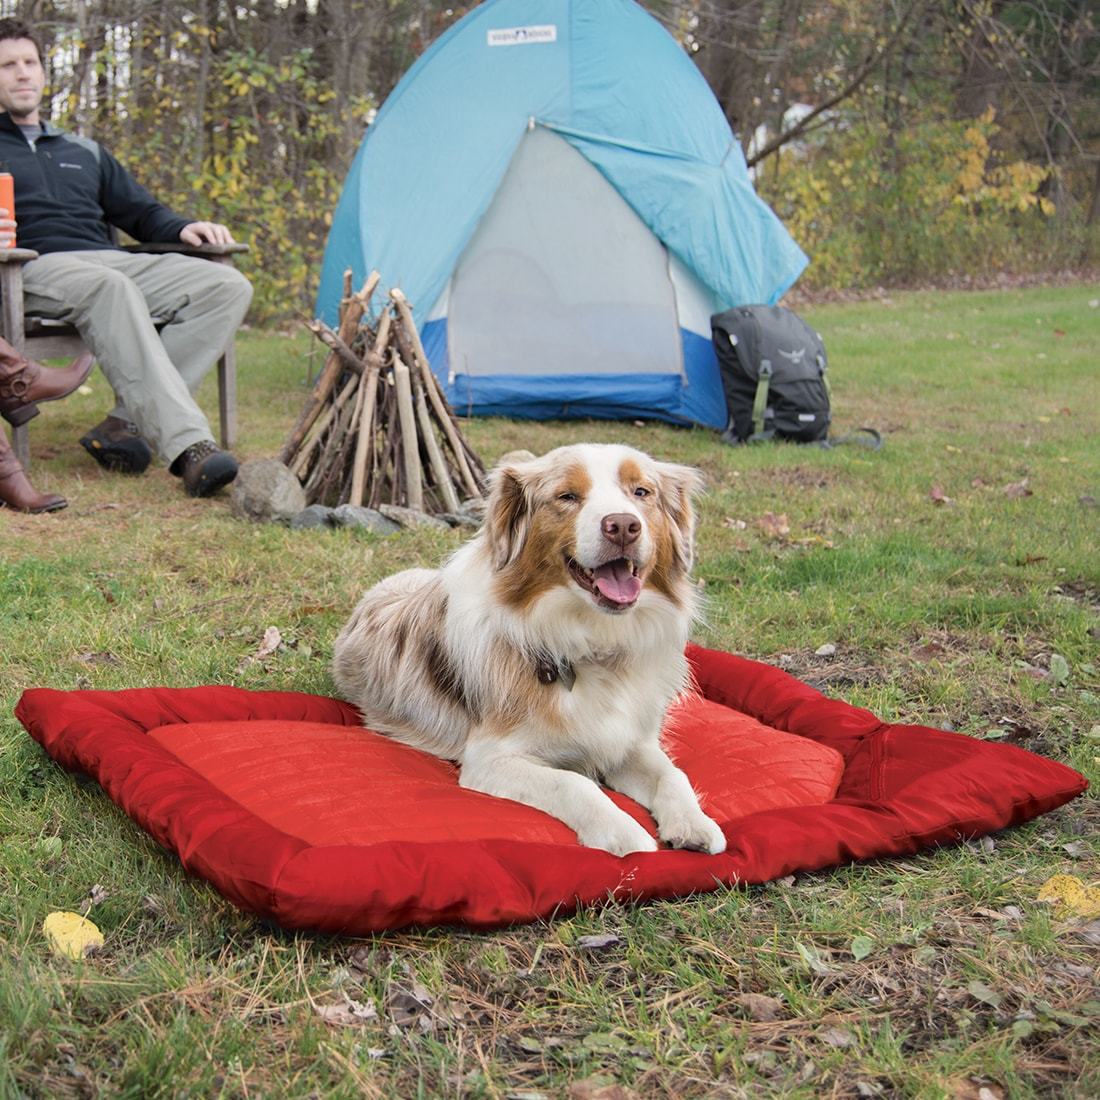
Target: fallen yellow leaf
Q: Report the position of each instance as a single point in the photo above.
(1070, 896)
(72, 935)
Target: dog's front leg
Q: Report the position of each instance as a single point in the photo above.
(566, 795)
(649, 777)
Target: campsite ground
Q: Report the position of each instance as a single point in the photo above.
(957, 574)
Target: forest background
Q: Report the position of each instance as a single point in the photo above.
(901, 141)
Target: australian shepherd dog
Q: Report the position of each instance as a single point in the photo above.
(544, 654)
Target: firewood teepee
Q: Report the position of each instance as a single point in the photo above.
(376, 428)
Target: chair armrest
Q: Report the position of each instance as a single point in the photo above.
(154, 247)
(17, 255)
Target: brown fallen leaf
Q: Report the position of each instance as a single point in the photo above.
(1017, 490)
(1090, 932)
(410, 1006)
(838, 1037)
(96, 895)
(348, 1014)
(937, 496)
(774, 526)
(1034, 672)
(597, 1088)
(102, 657)
(760, 1007)
(969, 1088)
(361, 958)
(595, 942)
(271, 642)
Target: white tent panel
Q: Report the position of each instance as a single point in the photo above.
(694, 303)
(561, 277)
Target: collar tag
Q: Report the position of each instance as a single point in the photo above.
(550, 670)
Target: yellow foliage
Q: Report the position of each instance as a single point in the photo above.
(71, 935)
(1070, 896)
(934, 198)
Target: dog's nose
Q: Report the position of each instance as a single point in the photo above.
(621, 528)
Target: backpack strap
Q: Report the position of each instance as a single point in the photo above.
(760, 402)
(823, 370)
(865, 437)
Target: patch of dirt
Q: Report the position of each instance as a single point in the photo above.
(839, 670)
(938, 645)
(799, 477)
(1080, 592)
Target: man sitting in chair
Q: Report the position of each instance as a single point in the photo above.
(69, 191)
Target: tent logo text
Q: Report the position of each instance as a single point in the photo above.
(523, 36)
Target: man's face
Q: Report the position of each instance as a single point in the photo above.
(21, 79)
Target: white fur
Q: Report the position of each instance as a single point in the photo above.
(446, 660)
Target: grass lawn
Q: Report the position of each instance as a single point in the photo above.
(957, 574)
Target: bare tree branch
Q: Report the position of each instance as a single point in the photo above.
(870, 63)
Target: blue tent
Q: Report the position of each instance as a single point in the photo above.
(557, 192)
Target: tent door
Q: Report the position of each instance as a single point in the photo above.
(561, 277)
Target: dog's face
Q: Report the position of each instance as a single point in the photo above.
(605, 521)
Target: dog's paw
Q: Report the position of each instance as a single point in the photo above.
(696, 832)
(619, 836)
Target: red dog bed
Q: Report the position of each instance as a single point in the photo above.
(293, 811)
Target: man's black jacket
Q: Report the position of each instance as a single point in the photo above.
(69, 191)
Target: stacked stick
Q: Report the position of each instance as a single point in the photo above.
(376, 428)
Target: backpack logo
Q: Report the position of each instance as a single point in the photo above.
(793, 356)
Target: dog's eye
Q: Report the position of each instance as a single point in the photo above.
(568, 498)
(641, 491)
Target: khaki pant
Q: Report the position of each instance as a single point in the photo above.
(116, 300)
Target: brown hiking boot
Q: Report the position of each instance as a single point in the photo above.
(23, 382)
(117, 445)
(16, 491)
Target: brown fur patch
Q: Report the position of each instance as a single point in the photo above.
(631, 475)
(400, 636)
(539, 563)
(668, 574)
(444, 677)
(675, 521)
(523, 696)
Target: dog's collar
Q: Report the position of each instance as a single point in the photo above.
(550, 669)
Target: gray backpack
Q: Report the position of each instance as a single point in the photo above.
(773, 374)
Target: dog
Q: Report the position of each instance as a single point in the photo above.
(544, 654)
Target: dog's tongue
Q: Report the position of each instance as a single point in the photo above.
(616, 582)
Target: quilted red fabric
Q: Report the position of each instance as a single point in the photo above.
(293, 811)
(328, 784)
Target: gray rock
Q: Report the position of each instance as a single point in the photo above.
(352, 515)
(316, 515)
(408, 517)
(474, 507)
(460, 519)
(266, 491)
(515, 458)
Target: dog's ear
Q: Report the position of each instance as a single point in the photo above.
(508, 513)
(679, 485)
